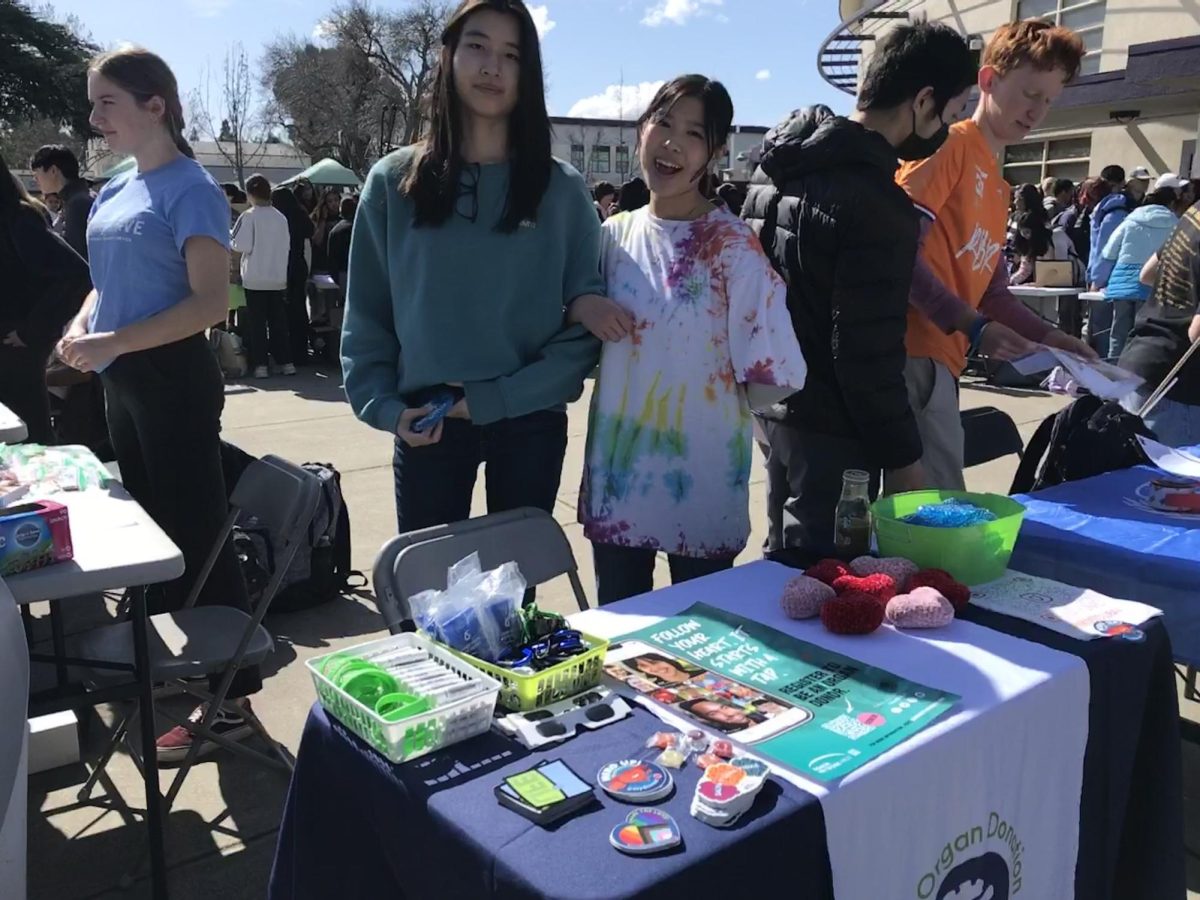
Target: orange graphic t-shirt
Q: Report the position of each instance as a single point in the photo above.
(962, 191)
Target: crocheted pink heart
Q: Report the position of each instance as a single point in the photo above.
(803, 596)
(922, 607)
(896, 567)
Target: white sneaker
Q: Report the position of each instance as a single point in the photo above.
(289, 369)
(262, 372)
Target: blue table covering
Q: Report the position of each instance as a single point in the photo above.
(356, 826)
(1088, 534)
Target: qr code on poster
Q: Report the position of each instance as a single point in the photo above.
(847, 727)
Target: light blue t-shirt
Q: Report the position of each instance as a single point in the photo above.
(136, 232)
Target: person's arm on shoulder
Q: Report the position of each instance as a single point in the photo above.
(870, 315)
(371, 352)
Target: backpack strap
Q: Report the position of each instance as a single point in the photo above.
(1027, 471)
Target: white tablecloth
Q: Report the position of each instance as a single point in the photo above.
(997, 780)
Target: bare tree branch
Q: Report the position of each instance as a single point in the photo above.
(240, 137)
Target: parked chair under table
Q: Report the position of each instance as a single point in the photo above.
(418, 560)
(199, 641)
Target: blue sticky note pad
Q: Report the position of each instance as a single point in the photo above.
(564, 779)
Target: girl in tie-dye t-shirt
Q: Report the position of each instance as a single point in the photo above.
(696, 330)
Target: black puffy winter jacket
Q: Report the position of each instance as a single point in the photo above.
(844, 237)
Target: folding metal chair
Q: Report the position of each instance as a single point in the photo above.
(417, 561)
(207, 640)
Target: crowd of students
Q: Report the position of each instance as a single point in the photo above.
(839, 302)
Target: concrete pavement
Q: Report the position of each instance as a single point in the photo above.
(221, 832)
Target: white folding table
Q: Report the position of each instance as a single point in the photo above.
(12, 429)
(116, 544)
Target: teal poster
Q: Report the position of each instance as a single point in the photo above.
(814, 711)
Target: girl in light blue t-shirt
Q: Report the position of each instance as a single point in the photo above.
(158, 241)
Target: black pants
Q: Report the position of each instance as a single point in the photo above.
(623, 572)
(164, 417)
(23, 389)
(523, 459)
(297, 311)
(267, 327)
(804, 483)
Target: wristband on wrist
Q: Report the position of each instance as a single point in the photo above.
(975, 335)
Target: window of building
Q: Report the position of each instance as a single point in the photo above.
(577, 152)
(1031, 161)
(1084, 17)
(601, 158)
(622, 159)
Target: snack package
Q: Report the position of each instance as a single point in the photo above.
(479, 613)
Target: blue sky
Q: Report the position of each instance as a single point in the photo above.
(763, 50)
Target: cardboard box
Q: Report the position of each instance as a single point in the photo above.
(33, 535)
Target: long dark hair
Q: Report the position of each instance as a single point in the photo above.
(1039, 242)
(14, 197)
(284, 200)
(432, 180)
(146, 75)
(717, 105)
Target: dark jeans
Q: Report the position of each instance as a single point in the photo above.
(297, 312)
(23, 389)
(164, 417)
(804, 484)
(623, 572)
(523, 459)
(267, 327)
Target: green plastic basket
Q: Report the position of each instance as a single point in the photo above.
(418, 735)
(521, 693)
(975, 554)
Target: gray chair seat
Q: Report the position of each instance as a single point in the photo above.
(184, 644)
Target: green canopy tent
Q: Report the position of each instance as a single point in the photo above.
(328, 172)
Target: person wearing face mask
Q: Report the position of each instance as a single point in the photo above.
(960, 286)
(843, 236)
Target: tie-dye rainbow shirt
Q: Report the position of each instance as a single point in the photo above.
(669, 431)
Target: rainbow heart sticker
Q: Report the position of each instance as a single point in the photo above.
(646, 831)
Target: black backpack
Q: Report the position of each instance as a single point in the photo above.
(321, 570)
(1089, 437)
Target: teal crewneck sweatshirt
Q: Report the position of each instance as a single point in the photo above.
(462, 302)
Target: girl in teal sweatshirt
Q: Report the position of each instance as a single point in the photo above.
(467, 249)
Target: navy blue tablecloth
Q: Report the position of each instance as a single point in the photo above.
(1088, 533)
(356, 826)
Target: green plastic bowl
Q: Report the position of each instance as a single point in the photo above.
(974, 554)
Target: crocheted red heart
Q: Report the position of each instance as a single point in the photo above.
(942, 581)
(881, 587)
(852, 613)
(827, 570)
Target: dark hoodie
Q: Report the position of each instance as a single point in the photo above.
(844, 237)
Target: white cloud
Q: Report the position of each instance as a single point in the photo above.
(541, 18)
(209, 8)
(763, 74)
(676, 12)
(617, 101)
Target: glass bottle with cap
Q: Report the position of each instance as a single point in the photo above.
(852, 519)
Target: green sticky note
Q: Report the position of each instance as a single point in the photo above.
(535, 789)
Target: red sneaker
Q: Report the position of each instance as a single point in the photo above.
(175, 744)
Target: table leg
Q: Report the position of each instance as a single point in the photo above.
(154, 824)
(59, 640)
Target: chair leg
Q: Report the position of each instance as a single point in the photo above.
(577, 587)
(117, 737)
(276, 747)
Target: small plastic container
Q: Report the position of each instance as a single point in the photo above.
(416, 735)
(521, 693)
(974, 554)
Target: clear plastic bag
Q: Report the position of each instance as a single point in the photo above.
(479, 613)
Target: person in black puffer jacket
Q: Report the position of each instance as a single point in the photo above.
(844, 237)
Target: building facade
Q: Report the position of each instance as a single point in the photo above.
(606, 149)
(1136, 102)
(277, 162)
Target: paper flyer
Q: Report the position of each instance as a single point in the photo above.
(809, 709)
(1076, 612)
